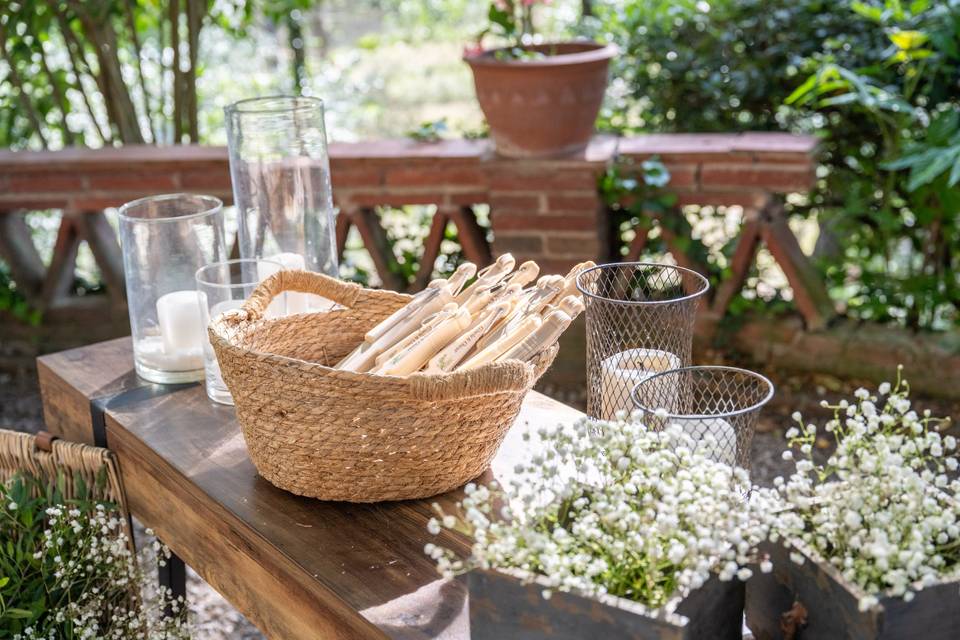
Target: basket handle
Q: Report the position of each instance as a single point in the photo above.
(344, 293)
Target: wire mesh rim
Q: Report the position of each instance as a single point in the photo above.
(609, 265)
(727, 414)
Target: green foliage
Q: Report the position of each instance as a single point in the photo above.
(875, 81)
(719, 65)
(429, 131)
(66, 570)
(13, 301)
(511, 21)
(896, 179)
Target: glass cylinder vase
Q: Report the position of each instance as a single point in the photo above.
(281, 185)
(165, 239)
(640, 319)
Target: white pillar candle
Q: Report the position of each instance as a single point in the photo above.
(622, 371)
(725, 450)
(181, 326)
(296, 302)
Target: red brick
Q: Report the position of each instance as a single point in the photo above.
(12, 201)
(585, 246)
(43, 182)
(468, 198)
(98, 203)
(524, 244)
(683, 175)
(678, 144)
(544, 223)
(559, 266)
(780, 178)
(545, 180)
(207, 179)
(390, 198)
(435, 176)
(131, 180)
(523, 202)
(356, 178)
(798, 160)
(586, 203)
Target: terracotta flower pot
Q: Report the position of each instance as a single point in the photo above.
(542, 107)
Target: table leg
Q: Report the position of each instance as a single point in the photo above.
(173, 576)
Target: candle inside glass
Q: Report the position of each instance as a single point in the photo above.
(179, 347)
(295, 302)
(622, 371)
(725, 450)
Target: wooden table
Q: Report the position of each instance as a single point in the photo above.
(296, 567)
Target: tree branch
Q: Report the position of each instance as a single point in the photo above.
(35, 119)
(174, 17)
(78, 59)
(59, 96)
(144, 94)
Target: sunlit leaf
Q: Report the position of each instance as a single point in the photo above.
(908, 40)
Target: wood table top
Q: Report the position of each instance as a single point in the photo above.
(296, 567)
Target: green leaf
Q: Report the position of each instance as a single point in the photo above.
(909, 39)
(920, 176)
(868, 11)
(943, 126)
(954, 173)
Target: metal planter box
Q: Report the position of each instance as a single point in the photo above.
(812, 601)
(502, 606)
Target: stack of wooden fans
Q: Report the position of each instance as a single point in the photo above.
(450, 326)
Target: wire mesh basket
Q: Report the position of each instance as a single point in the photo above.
(640, 320)
(724, 402)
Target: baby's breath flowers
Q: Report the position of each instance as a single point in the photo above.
(875, 509)
(67, 571)
(613, 508)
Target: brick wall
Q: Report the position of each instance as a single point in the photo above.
(547, 210)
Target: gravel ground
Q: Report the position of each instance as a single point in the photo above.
(215, 619)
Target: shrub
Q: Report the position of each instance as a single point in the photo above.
(867, 77)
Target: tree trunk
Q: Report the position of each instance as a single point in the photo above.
(299, 70)
(100, 33)
(59, 97)
(144, 93)
(195, 13)
(78, 60)
(174, 18)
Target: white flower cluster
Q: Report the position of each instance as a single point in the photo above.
(614, 508)
(94, 572)
(875, 509)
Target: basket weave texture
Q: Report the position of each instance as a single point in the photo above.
(357, 437)
(66, 462)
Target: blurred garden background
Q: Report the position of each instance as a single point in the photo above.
(875, 81)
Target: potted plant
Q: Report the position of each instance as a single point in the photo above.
(613, 530)
(872, 538)
(538, 99)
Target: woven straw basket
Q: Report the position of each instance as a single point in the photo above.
(338, 435)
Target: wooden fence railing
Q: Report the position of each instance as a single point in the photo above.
(547, 210)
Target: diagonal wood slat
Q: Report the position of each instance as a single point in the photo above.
(431, 250)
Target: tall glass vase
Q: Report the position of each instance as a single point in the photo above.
(165, 239)
(281, 184)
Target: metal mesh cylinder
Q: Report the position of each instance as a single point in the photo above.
(724, 402)
(639, 322)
